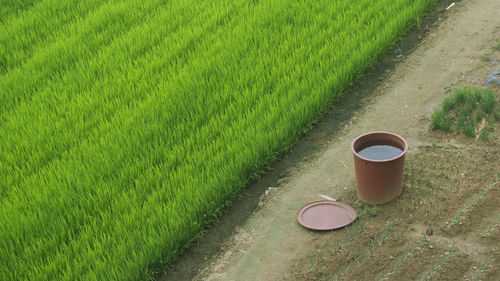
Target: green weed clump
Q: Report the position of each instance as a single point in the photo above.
(126, 126)
(469, 111)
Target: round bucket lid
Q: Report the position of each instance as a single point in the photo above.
(326, 215)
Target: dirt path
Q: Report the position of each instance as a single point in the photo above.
(270, 245)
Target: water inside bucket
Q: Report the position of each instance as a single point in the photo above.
(380, 152)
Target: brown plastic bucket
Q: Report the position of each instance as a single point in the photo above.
(379, 181)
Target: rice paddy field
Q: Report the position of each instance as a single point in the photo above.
(125, 126)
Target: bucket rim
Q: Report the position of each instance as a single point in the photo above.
(402, 154)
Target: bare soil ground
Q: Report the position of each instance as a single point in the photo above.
(445, 225)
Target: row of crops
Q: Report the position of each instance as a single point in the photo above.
(125, 126)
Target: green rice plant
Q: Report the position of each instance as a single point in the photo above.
(420, 186)
(340, 272)
(373, 244)
(356, 258)
(350, 232)
(461, 121)
(491, 227)
(467, 109)
(440, 264)
(360, 254)
(387, 232)
(313, 262)
(469, 129)
(488, 102)
(412, 180)
(485, 132)
(327, 277)
(352, 263)
(397, 265)
(364, 211)
(473, 96)
(419, 189)
(404, 255)
(478, 116)
(464, 110)
(471, 203)
(333, 247)
(127, 126)
(482, 269)
(361, 248)
(460, 95)
(449, 103)
(439, 121)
